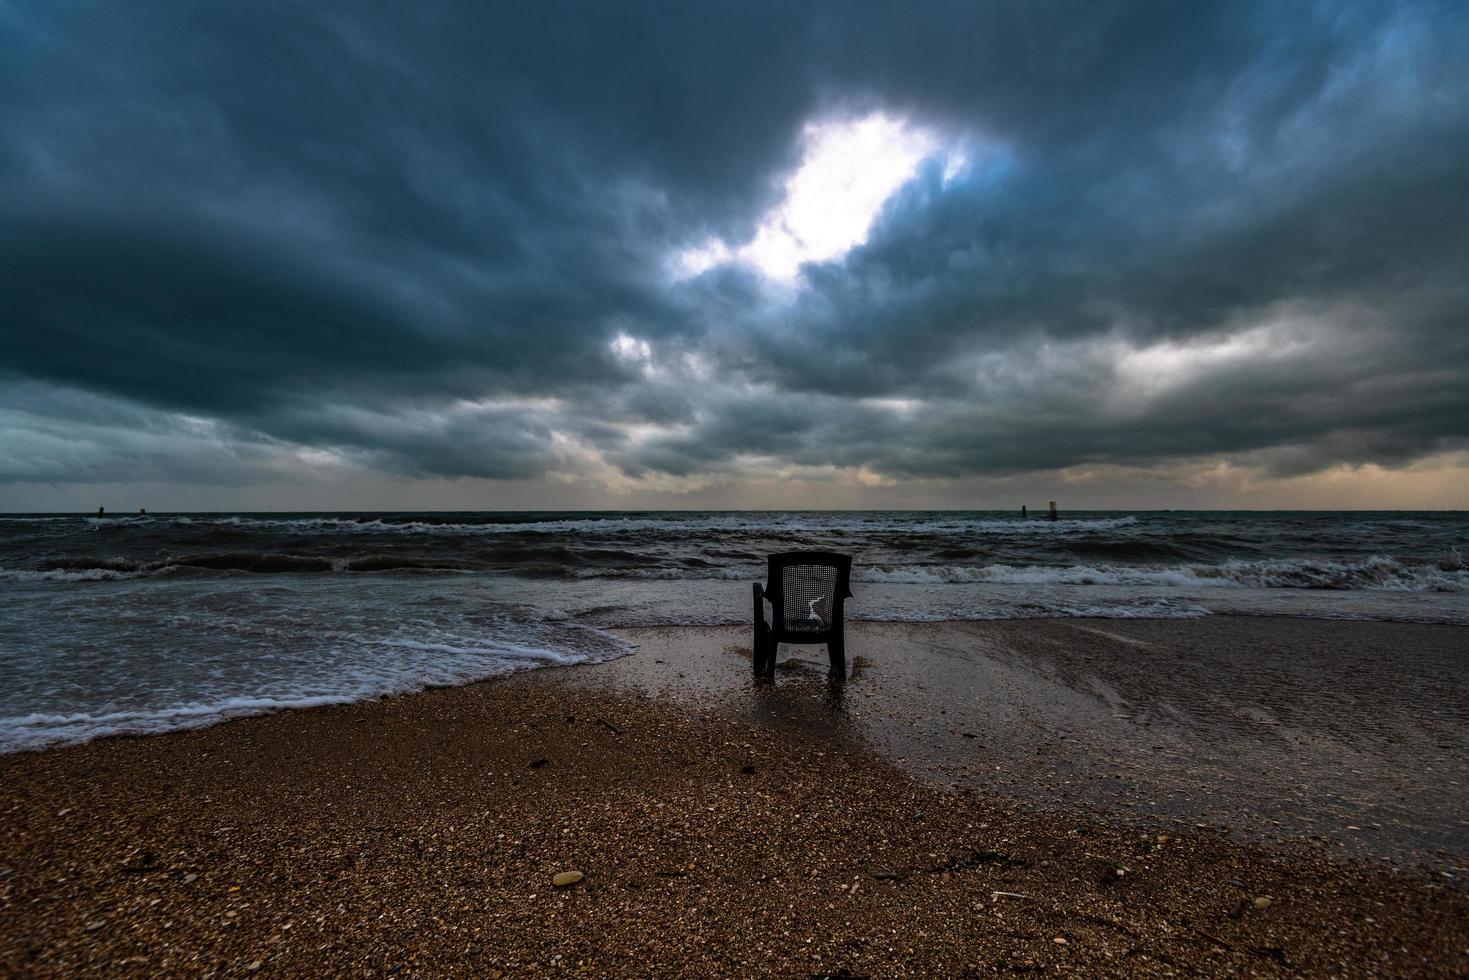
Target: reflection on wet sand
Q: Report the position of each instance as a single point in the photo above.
(1349, 737)
(798, 685)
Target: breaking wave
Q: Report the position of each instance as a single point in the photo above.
(793, 522)
(331, 670)
(1374, 572)
(184, 620)
(65, 575)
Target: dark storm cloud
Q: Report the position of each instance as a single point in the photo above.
(412, 236)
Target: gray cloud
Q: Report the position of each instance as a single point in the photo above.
(408, 239)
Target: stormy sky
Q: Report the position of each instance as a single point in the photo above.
(324, 255)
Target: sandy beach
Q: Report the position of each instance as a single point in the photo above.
(1214, 797)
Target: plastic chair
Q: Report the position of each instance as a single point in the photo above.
(806, 591)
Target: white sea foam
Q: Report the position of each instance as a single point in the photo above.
(66, 575)
(442, 665)
(1374, 572)
(166, 622)
(753, 522)
(222, 651)
(725, 573)
(38, 730)
(100, 523)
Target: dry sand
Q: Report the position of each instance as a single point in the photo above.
(722, 828)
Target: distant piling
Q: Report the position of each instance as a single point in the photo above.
(1053, 510)
(1023, 514)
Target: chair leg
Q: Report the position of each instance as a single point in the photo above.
(760, 634)
(836, 651)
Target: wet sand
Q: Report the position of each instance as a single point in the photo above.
(1350, 737)
(725, 827)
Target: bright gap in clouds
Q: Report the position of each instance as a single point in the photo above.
(848, 169)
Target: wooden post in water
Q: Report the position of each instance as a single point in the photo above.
(1023, 514)
(1053, 510)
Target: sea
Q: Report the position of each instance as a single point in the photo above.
(148, 623)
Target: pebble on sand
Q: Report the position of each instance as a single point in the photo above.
(567, 878)
(1263, 902)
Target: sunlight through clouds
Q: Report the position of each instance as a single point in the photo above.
(739, 252)
(848, 171)
(632, 350)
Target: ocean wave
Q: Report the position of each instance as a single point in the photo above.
(676, 574)
(66, 575)
(1138, 549)
(420, 664)
(795, 523)
(110, 569)
(136, 520)
(1373, 572)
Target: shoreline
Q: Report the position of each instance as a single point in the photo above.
(723, 826)
(228, 713)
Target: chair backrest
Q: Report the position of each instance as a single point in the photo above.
(807, 590)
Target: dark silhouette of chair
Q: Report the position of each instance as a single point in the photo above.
(806, 591)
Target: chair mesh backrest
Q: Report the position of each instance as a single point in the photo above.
(809, 591)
